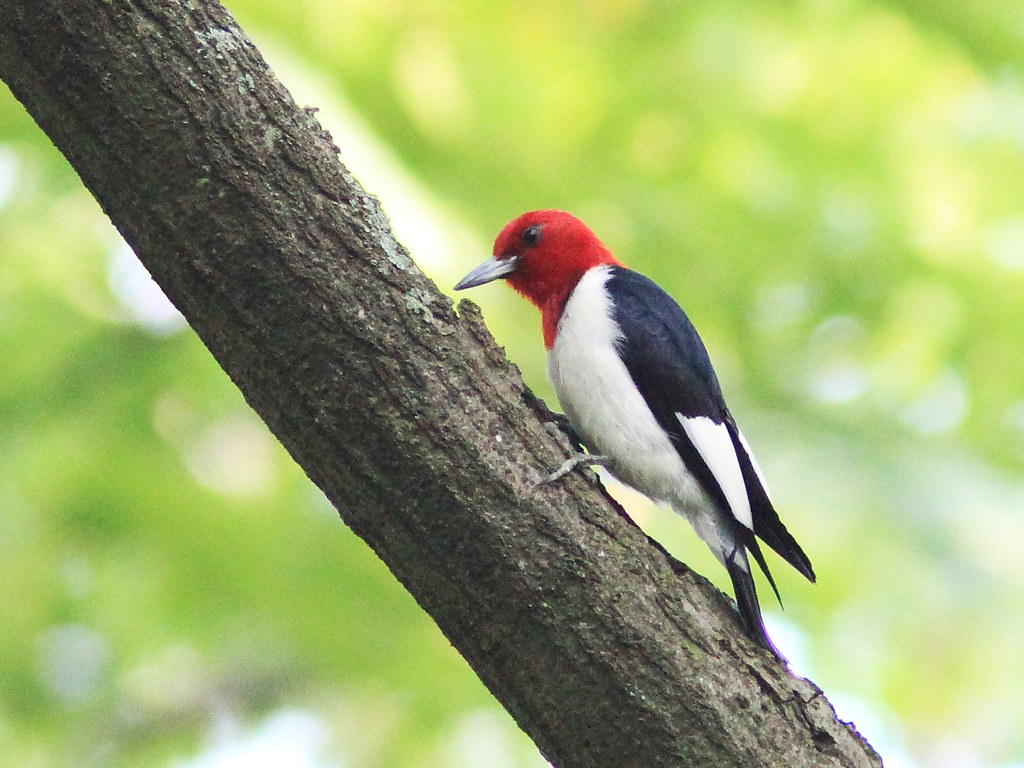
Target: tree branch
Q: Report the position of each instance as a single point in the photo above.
(405, 413)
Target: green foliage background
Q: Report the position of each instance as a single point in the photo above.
(832, 188)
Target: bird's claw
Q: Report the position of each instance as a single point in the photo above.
(560, 422)
(574, 461)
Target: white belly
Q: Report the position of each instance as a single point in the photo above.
(605, 407)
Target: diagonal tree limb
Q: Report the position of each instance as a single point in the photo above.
(406, 414)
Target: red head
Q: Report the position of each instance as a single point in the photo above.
(543, 254)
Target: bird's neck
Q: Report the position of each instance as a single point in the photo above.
(551, 308)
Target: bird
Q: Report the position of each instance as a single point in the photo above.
(637, 385)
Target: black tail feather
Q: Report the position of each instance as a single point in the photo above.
(755, 549)
(746, 599)
(767, 524)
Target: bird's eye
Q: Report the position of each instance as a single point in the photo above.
(531, 235)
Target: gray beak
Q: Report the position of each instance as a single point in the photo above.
(486, 272)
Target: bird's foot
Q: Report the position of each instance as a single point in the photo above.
(559, 423)
(574, 461)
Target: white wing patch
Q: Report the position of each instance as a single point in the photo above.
(714, 445)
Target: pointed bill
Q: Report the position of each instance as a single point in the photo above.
(486, 272)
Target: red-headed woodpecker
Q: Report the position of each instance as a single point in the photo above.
(638, 387)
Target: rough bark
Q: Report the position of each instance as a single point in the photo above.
(404, 412)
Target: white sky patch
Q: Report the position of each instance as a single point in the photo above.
(234, 456)
(8, 174)
(876, 728)
(487, 738)
(141, 300)
(292, 738)
(74, 663)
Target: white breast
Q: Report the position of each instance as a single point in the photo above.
(605, 407)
